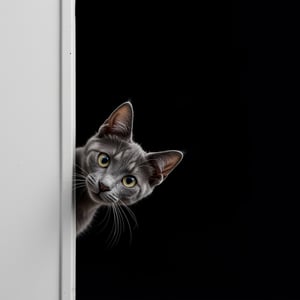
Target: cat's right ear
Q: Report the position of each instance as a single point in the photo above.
(119, 122)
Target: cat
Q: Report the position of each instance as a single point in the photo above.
(113, 170)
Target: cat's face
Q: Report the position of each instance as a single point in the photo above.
(118, 170)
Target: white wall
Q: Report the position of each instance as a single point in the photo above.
(30, 150)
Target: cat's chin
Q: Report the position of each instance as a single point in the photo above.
(96, 198)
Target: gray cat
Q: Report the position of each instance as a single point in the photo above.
(112, 170)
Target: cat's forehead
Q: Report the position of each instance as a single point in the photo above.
(130, 157)
(120, 150)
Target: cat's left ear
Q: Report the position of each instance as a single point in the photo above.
(119, 122)
(163, 164)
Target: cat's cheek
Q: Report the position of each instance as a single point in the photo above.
(133, 196)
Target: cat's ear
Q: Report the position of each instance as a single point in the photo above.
(163, 164)
(119, 122)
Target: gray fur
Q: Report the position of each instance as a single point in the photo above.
(126, 158)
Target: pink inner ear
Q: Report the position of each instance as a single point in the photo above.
(167, 169)
(119, 122)
(121, 116)
(165, 162)
(170, 163)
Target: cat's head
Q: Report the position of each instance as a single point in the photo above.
(117, 169)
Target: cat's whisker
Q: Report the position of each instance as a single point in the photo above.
(128, 223)
(75, 182)
(111, 233)
(121, 218)
(115, 234)
(81, 169)
(75, 187)
(79, 181)
(115, 227)
(121, 215)
(120, 223)
(78, 186)
(106, 218)
(112, 198)
(79, 177)
(131, 213)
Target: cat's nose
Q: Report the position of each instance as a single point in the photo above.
(103, 187)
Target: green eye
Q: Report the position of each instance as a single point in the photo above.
(103, 160)
(129, 181)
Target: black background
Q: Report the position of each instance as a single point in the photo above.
(217, 81)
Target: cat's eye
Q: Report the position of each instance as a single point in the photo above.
(129, 181)
(103, 160)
